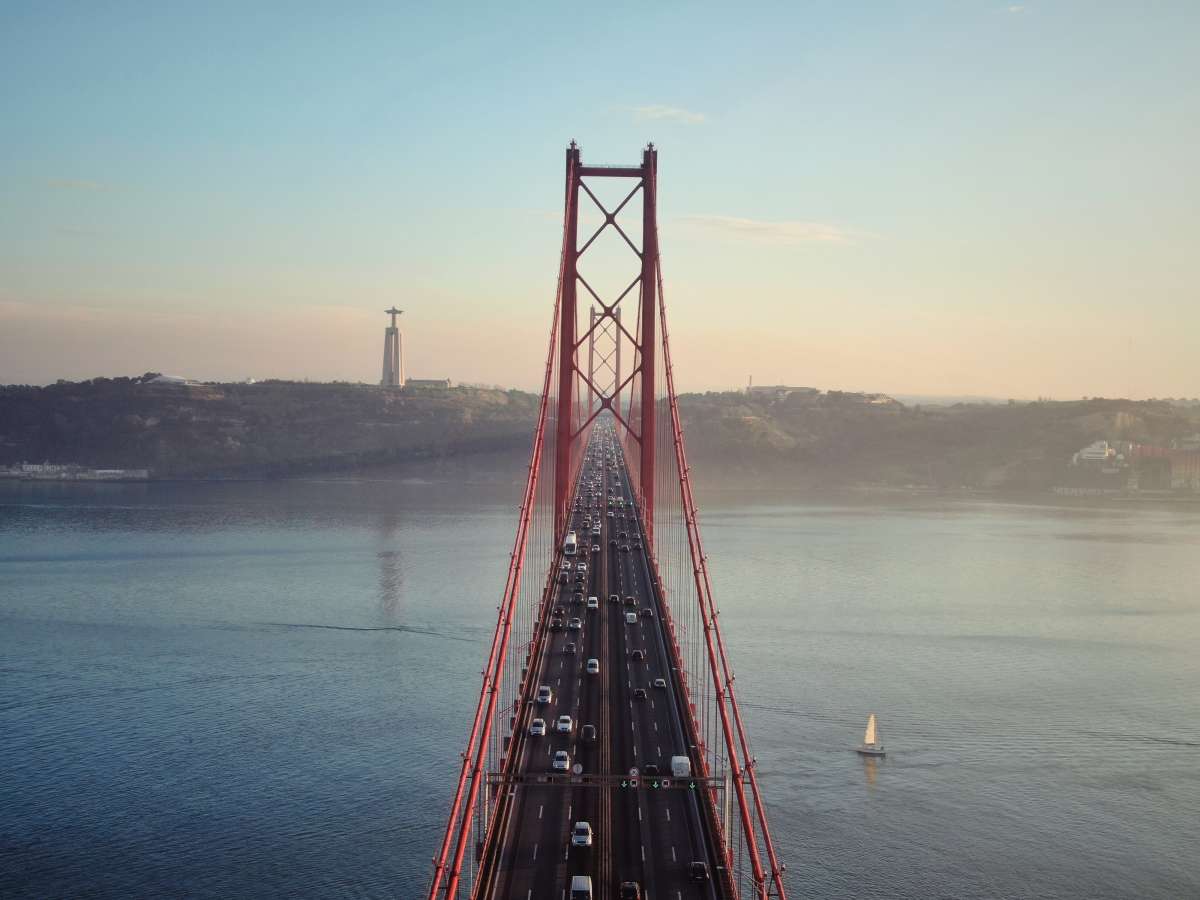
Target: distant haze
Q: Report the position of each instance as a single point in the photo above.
(935, 198)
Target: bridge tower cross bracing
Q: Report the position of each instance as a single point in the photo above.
(639, 421)
(604, 355)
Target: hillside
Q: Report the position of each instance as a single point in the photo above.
(834, 438)
(272, 428)
(802, 439)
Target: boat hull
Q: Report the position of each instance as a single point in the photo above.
(871, 751)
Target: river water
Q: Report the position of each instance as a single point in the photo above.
(236, 690)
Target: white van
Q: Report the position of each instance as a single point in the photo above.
(581, 887)
(630, 618)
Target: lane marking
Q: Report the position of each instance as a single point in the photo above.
(668, 814)
(672, 853)
(535, 846)
(643, 852)
(542, 808)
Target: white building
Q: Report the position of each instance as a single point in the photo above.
(1095, 452)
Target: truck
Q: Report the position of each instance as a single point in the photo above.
(570, 544)
(681, 767)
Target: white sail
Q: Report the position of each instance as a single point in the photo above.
(869, 737)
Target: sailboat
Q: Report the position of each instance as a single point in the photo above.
(871, 745)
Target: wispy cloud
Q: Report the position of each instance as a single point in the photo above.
(76, 184)
(656, 112)
(1016, 8)
(549, 216)
(760, 231)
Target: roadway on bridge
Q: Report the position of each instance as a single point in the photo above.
(646, 836)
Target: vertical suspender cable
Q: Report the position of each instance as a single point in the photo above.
(485, 707)
(711, 627)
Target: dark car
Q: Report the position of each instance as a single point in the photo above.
(698, 871)
(560, 611)
(612, 542)
(639, 655)
(651, 769)
(613, 598)
(630, 891)
(624, 548)
(630, 601)
(577, 597)
(647, 613)
(556, 624)
(588, 734)
(562, 577)
(639, 693)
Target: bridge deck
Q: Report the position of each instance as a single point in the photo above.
(646, 836)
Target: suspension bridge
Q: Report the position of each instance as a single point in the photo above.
(607, 756)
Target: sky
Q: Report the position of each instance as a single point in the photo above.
(915, 197)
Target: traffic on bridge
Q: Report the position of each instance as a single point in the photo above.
(607, 701)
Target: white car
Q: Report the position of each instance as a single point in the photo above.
(660, 682)
(564, 725)
(544, 694)
(562, 762)
(582, 835)
(595, 548)
(593, 666)
(581, 567)
(575, 624)
(593, 603)
(537, 727)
